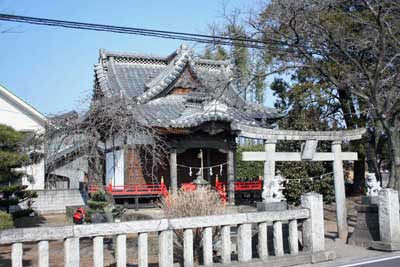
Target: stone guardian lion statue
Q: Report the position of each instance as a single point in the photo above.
(372, 185)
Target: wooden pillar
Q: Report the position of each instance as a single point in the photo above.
(340, 193)
(231, 176)
(269, 168)
(173, 171)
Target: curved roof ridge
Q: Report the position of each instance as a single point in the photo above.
(101, 77)
(105, 53)
(212, 61)
(167, 76)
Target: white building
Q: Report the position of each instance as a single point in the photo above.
(62, 190)
(18, 114)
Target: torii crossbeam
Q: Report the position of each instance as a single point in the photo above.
(308, 153)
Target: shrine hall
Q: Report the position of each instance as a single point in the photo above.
(193, 103)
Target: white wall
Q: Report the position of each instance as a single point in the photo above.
(75, 171)
(34, 176)
(115, 174)
(14, 116)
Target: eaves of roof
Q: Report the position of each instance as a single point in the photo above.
(27, 108)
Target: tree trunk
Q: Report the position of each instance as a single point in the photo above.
(359, 173)
(394, 142)
(372, 153)
(352, 122)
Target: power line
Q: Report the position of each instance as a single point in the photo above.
(201, 38)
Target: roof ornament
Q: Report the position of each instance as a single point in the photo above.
(184, 47)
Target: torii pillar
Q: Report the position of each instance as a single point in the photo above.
(269, 166)
(340, 193)
(270, 156)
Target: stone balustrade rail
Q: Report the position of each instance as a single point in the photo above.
(310, 216)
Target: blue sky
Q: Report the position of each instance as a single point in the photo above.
(52, 68)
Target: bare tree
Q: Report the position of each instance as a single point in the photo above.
(109, 124)
(353, 45)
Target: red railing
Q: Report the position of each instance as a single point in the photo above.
(242, 186)
(133, 189)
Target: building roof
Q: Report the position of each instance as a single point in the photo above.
(148, 80)
(23, 106)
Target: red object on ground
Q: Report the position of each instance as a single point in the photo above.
(79, 215)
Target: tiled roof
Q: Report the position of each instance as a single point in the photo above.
(148, 79)
(178, 111)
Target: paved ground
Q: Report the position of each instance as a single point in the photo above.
(389, 262)
(381, 260)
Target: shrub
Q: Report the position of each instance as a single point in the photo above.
(22, 213)
(6, 221)
(99, 196)
(295, 188)
(248, 169)
(297, 171)
(98, 201)
(200, 202)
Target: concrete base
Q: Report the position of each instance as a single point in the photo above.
(272, 206)
(366, 230)
(385, 246)
(56, 201)
(287, 260)
(366, 200)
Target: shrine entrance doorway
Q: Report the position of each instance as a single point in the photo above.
(213, 164)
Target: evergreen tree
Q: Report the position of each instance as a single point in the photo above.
(11, 159)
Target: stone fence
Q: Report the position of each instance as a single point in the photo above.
(308, 221)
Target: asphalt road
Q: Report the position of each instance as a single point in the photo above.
(384, 262)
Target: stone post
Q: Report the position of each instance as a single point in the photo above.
(278, 239)
(340, 194)
(16, 255)
(98, 251)
(313, 227)
(269, 168)
(166, 248)
(188, 260)
(231, 177)
(226, 245)
(173, 172)
(43, 253)
(143, 253)
(263, 240)
(207, 247)
(120, 251)
(244, 242)
(71, 252)
(389, 221)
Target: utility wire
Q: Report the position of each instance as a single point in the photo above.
(201, 38)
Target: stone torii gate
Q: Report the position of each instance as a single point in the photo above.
(308, 153)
